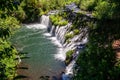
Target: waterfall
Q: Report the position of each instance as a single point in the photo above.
(44, 20)
(69, 68)
(76, 43)
(61, 31)
(52, 33)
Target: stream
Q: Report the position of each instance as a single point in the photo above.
(42, 58)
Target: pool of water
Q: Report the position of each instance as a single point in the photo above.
(40, 60)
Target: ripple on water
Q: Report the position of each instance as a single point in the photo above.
(43, 52)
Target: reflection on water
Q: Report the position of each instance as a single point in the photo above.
(40, 61)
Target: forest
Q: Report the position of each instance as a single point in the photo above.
(98, 61)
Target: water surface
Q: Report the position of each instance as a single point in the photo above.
(40, 59)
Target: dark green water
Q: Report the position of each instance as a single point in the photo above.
(41, 50)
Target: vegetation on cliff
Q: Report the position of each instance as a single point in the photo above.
(58, 20)
(97, 62)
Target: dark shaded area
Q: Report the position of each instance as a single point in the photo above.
(98, 61)
(22, 68)
(54, 78)
(25, 57)
(20, 77)
(44, 77)
(23, 52)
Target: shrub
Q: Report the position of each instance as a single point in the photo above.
(44, 5)
(32, 10)
(68, 36)
(72, 27)
(58, 20)
(88, 4)
(103, 10)
(69, 53)
(69, 56)
(8, 53)
(20, 14)
(63, 23)
(76, 31)
(68, 41)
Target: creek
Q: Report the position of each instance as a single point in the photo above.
(42, 51)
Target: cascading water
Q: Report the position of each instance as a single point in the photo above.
(60, 54)
(44, 58)
(30, 38)
(45, 20)
(76, 41)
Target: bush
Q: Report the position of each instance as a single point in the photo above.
(68, 36)
(58, 20)
(88, 4)
(7, 27)
(7, 52)
(32, 10)
(69, 56)
(69, 53)
(68, 41)
(20, 14)
(63, 23)
(103, 10)
(45, 5)
(76, 31)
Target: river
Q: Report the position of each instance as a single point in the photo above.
(41, 50)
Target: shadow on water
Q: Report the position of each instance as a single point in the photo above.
(20, 77)
(22, 68)
(54, 78)
(23, 53)
(25, 57)
(48, 78)
(44, 77)
(36, 55)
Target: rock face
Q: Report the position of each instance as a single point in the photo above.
(77, 42)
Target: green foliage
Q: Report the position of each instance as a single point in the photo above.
(8, 53)
(7, 26)
(47, 5)
(20, 14)
(92, 25)
(76, 31)
(63, 23)
(31, 9)
(103, 10)
(58, 20)
(98, 60)
(68, 41)
(88, 4)
(69, 56)
(6, 7)
(68, 36)
(69, 53)
(55, 19)
(7, 60)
